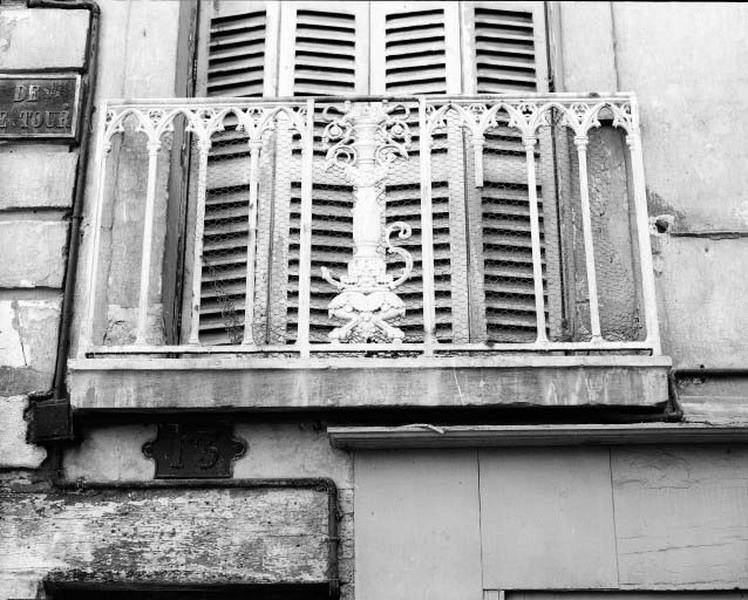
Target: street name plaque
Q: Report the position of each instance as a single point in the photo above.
(39, 105)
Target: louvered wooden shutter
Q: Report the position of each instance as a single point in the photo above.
(236, 56)
(324, 48)
(415, 50)
(338, 48)
(504, 51)
(237, 60)
(324, 52)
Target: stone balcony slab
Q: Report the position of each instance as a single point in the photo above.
(210, 383)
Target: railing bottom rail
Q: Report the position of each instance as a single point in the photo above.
(549, 347)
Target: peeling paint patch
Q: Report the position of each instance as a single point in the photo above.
(168, 535)
(11, 346)
(15, 452)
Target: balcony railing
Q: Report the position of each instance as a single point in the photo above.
(422, 225)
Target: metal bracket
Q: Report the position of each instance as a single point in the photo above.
(51, 419)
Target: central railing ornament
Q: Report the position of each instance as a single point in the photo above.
(365, 140)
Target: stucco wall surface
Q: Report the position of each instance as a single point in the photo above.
(692, 88)
(702, 290)
(684, 62)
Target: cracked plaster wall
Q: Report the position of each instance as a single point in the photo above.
(691, 88)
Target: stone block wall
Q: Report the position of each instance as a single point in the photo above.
(36, 197)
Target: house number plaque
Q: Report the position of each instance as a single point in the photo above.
(39, 105)
(183, 450)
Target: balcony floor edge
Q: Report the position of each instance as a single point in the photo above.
(136, 384)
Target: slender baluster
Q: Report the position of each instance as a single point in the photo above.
(642, 230)
(589, 250)
(305, 234)
(203, 147)
(427, 233)
(249, 289)
(103, 146)
(537, 260)
(145, 263)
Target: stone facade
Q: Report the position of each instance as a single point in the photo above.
(35, 206)
(656, 520)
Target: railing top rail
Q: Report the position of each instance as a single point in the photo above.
(226, 101)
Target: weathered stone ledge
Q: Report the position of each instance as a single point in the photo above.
(162, 384)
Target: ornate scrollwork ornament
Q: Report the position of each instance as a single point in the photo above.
(393, 136)
(404, 232)
(435, 119)
(339, 136)
(524, 116)
(623, 117)
(113, 125)
(580, 117)
(364, 142)
(204, 122)
(158, 122)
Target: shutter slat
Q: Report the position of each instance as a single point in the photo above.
(222, 245)
(488, 46)
(433, 31)
(248, 62)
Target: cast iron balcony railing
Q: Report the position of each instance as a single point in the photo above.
(266, 227)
